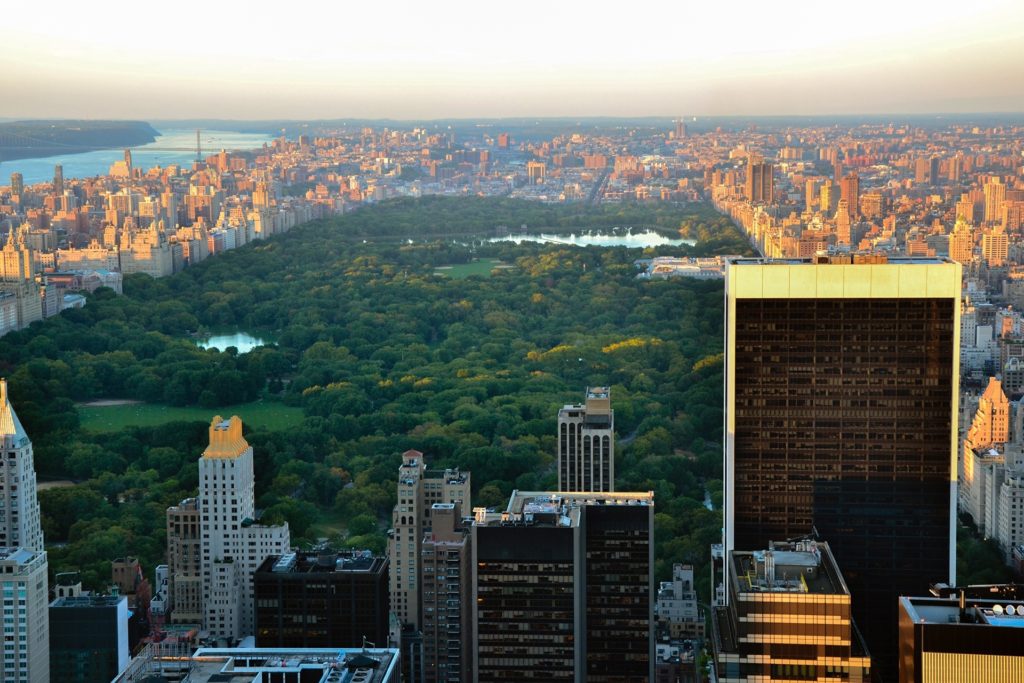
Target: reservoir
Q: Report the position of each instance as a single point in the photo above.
(242, 341)
(614, 238)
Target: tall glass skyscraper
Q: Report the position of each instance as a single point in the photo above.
(841, 391)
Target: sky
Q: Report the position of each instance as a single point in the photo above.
(478, 58)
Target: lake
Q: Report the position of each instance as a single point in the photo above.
(240, 340)
(98, 162)
(596, 238)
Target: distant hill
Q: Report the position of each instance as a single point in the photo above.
(24, 139)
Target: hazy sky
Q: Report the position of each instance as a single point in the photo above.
(443, 58)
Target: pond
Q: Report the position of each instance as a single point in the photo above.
(242, 341)
(595, 238)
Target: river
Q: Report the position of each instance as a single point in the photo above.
(98, 162)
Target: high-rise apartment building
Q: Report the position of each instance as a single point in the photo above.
(233, 543)
(963, 635)
(760, 181)
(418, 490)
(184, 563)
(842, 219)
(321, 599)
(19, 507)
(995, 247)
(58, 180)
(788, 618)
(586, 443)
(447, 595)
(17, 184)
(849, 189)
(841, 410)
(995, 195)
(562, 589)
(961, 242)
(23, 585)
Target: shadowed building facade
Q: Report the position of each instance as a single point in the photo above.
(841, 403)
(563, 589)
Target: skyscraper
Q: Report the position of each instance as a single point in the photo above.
(995, 195)
(23, 584)
(17, 184)
(321, 599)
(760, 181)
(447, 595)
(234, 544)
(841, 403)
(842, 219)
(418, 490)
(849, 188)
(58, 180)
(586, 443)
(184, 563)
(20, 525)
(563, 587)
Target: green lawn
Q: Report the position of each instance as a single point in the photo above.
(329, 523)
(478, 267)
(115, 418)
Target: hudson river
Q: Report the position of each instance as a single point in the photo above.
(87, 164)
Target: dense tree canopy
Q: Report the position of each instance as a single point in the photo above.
(384, 354)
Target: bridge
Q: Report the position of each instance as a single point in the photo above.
(12, 142)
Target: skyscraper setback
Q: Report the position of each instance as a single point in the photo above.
(841, 400)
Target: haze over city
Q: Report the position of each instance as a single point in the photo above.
(405, 60)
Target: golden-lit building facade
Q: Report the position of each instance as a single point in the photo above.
(961, 638)
(789, 618)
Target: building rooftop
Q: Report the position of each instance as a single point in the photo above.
(995, 605)
(328, 562)
(18, 556)
(845, 259)
(555, 509)
(799, 567)
(89, 601)
(309, 665)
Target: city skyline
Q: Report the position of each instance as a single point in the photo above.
(544, 60)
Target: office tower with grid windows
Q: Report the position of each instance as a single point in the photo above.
(563, 588)
(841, 392)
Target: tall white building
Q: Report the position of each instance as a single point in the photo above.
(586, 444)
(233, 543)
(19, 508)
(23, 570)
(23, 585)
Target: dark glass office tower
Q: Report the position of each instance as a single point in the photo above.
(563, 589)
(841, 402)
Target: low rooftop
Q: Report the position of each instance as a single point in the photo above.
(332, 562)
(556, 508)
(799, 567)
(310, 665)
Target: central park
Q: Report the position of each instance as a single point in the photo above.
(388, 335)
